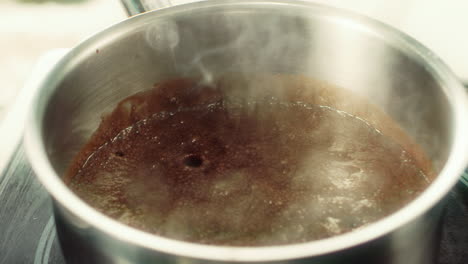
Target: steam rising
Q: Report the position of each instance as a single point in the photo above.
(241, 55)
(341, 52)
(321, 161)
(220, 44)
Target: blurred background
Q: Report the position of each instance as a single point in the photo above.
(29, 28)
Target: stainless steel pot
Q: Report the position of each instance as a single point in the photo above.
(207, 38)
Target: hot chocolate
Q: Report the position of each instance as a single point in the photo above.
(202, 163)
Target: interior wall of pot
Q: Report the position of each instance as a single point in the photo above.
(322, 45)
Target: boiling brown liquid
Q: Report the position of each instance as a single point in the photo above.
(211, 169)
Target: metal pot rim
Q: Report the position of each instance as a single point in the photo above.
(37, 153)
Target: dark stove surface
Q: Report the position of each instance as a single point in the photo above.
(27, 230)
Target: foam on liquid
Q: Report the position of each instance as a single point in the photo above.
(270, 173)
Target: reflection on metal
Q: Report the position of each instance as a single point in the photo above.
(135, 7)
(45, 243)
(464, 178)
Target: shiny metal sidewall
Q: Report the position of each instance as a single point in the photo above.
(415, 243)
(119, 62)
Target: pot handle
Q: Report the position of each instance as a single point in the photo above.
(135, 7)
